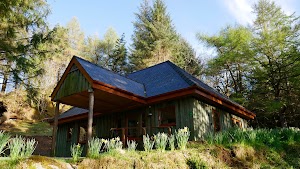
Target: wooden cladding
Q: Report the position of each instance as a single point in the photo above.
(236, 123)
(74, 82)
(216, 120)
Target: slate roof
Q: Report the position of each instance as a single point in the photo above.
(100, 74)
(72, 112)
(152, 81)
(166, 77)
(159, 79)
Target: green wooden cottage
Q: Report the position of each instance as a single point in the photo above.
(160, 98)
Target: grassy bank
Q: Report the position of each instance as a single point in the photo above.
(27, 128)
(262, 148)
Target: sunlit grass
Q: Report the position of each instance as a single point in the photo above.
(27, 128)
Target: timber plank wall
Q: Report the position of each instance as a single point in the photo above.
(75, 82)
(190, 112)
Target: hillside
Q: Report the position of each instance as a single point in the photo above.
(262, 148)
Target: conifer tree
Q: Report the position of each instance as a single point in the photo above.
(23, 30)
(117, 61)
(155, 40)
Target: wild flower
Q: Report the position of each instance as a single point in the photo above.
(21, 148)
(113, 144)
(148, 143)
(3, 141)
(94, 145)
(182, 137)
(131, 145)
(76, 151)
(161, 140)
(171, 142)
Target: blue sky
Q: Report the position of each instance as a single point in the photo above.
(189, 17)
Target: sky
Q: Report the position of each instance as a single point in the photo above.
(189, 17)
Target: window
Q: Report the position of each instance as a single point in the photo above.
(167, 116)
(216, 119)
(236, 123)
(82, 134)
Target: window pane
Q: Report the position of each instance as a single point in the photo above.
(167, 116)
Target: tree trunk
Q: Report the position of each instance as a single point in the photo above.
(4, 84)
(90, 115)
(282, 118)
(54, 134)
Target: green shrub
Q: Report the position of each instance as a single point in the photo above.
(95, 145)
(21, 148)
(131, 145)
(182, 137)
(171, 142)
(3, 141)
(196, 163)
(76, 151)
(161, 141)
(148, 143)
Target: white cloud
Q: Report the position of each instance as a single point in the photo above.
(241, 10)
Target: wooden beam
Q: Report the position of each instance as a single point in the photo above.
(100, 100)
(90, 116)
(119, 92)
(54, 134)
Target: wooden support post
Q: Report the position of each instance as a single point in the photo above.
(54, 134)
(90, 116)
(123, 139)
(140, 130)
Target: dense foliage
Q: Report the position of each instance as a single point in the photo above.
(258, 66)
(155, 40)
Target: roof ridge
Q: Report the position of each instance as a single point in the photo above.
(112, 72)
(106, 69)
(148, 67)
(189, 81)
(183, 76)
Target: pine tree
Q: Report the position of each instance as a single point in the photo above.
(23, 30)
(141, 48)
(155, 40)
(117, 61)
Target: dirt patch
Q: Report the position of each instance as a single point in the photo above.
(223, 154)
(44, 145)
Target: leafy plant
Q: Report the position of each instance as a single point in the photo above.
(196, 163)
(21, 148)
(112, 144)
(76, 151)
(171, 142)
(182, 137)
(148, 143)
(3, 141)
(161, 141)
(131, 145)
(95, 145)
(274, 138)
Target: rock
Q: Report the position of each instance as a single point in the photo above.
(38, 166)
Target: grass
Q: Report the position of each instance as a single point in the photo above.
(262, 148)
(27, 128)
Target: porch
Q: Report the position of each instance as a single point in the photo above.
(129, 125)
